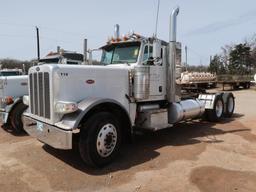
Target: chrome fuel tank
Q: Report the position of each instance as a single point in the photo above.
(187, 109)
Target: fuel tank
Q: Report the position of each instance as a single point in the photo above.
(187, 109)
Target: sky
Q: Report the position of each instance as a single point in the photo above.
(204, 26)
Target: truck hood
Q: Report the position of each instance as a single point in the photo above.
(75, 83)
(15, 86)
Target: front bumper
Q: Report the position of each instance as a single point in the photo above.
(3, 116)
(48, 134)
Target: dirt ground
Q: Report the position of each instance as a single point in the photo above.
(195, 156)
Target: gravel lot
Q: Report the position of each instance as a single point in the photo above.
(195, 156)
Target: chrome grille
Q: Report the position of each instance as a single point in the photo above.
(40, 94)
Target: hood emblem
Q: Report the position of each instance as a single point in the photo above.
(90, 81)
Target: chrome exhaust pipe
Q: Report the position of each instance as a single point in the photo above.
(171, 70)
(173, 24)
(116, 31)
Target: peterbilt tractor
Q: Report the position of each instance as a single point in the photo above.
(13, 88)
(134, 87)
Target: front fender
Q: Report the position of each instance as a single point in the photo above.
(9, 108)
(72, 120)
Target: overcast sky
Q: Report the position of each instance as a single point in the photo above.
(203, 25)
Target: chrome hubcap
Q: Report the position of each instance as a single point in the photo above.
(106, 140)
(219, 108)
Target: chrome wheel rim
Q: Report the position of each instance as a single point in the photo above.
(219, 108)
(230, 104)
(106, 140)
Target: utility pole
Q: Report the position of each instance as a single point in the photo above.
(186, 59)
(38, 43)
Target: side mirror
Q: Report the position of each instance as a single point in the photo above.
(150, 61)
(157, 48)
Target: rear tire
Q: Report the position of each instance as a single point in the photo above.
(230, 105)
(215, 114)
(235, 87)
(15, 119)
(100, 139)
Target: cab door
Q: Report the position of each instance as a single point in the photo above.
(157, 73)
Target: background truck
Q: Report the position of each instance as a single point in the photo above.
(11, 72)
(205, 80)
(235, 81)
(134, 87)
(197, 81)
(13, 88)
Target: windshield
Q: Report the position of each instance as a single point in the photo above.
(53, 60)
(121, 53)
(10, 73)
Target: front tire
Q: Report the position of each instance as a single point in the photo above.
(15, 119)
(100, 139)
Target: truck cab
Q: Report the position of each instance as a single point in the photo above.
(134, 86)
(62, 57)
(10, 72)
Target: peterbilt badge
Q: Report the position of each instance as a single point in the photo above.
(90, 81)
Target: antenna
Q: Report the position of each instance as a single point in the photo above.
(38, 43)
(155, 35)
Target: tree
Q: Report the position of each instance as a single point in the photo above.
(217, 66)
(240, 61)
(198, 68)
(12, 63)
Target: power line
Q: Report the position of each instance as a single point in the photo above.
(42, 27)
(200, 56)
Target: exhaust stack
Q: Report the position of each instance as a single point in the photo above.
(85, 51)
(171, 70)
(116, 31)
(58, 49)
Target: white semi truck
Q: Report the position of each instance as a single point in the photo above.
(134, 87)
(13, 88)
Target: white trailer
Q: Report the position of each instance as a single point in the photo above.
(134, 87)
(13, 88)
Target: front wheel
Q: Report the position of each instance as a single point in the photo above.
(15, 119)
(100, 139)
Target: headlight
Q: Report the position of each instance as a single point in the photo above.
(25, 100)
(65, 107)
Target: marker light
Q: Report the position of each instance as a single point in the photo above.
(64, 107)
(125, 38)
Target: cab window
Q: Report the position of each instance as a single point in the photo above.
(148, 52)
